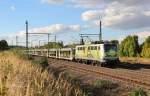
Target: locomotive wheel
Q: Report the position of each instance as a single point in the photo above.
(103, 64)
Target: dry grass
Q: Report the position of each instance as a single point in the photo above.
(135, 60)
(19, 77)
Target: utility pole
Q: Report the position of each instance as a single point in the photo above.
(55, 38)
(16, 40)
(48, 44)
(12, 42)
(100, 34)
(27, 36)
(55, 41)
(39, 43)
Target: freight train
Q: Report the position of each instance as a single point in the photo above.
(101, 54)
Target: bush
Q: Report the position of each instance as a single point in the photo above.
(146, 48)
(139, 92)
(20, 54)
(43, 62)
(129, 47)
(102, 84)
(3, 45)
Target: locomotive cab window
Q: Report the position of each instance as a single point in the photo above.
(95, 47)
(98, 47)
(78, 48)
(91, 47)
(110, 50)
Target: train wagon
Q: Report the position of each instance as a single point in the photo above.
(44, 52)
(67, 53)
(52, 53)
(104, 54)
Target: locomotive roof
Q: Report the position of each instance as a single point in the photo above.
(96, 44)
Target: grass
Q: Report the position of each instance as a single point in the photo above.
(20, 77)
(43, 62)
(139, 92)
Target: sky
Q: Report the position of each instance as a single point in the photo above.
(68, 18)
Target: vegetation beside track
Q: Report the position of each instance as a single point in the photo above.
(20, 77)
(3, 45)
(135, 60)
(130, 47)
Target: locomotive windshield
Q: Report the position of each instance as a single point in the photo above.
(110, 50)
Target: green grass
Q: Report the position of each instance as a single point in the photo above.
(139, 92)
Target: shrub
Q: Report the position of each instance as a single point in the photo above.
(3, 45)
(102, 84)
(129, 47)
(100, 87)
(42, 61)
(146, 48)
(20, 53)
(139, 92)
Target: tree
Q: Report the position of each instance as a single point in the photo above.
(73, 45)
(146, 48)
(3, 45)
(115, 41)
(129, 47)
(53, 45)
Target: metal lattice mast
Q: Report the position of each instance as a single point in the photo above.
(100, 34)
(16, 40)
(27, 35)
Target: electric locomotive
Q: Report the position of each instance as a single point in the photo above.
(104, 53)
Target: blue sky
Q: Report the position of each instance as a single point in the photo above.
(68, 18)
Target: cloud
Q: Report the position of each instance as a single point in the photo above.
(91, 15)
(57, 28)
(54, 29)
(143, 34)
(53, 1)
(77, 3)
(88, 3)
(12, 8)
(121, 15)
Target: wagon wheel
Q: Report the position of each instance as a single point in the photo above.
(94, 63)
(101, 64)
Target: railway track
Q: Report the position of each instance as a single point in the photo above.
(134, 74)
(125, 77)
(115, 77)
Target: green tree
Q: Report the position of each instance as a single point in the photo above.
(115, 41)
(73, 45)
(129, 47)
(146, 48)
(3, 45)
(53, 45)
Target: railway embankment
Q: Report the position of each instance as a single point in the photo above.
(20, 76)
(126, 79)
(24, 76)
(135, 60)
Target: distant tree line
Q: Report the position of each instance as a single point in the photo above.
(53, 45)
(58, 45)
(3, 45)
(130, 47)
